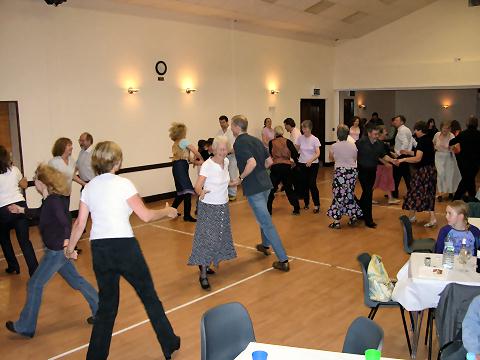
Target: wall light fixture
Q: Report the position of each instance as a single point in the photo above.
(362, 106)
(274, 91)
(131, 90)
(190, 90)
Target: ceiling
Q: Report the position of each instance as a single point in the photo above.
(312, 20)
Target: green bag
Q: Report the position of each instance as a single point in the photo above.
(380, 285)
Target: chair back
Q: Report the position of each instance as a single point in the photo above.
(474, 209)
(225, 330)
(363, 334)
(407, 233)
(451, 310)
(364, 260)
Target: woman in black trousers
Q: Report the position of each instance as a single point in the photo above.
(11, 182)
(115, 250)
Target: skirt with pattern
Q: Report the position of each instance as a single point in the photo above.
(343, 202)
(423, 186)
(213, 240)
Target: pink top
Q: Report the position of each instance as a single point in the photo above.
(308, 146)
(355, 133)
(269, 134)
(344, 154)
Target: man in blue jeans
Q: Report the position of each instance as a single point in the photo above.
(252, 161)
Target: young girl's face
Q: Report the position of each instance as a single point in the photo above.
(453, 217)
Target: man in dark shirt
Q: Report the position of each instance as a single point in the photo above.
(252, 160)
(468, 158)
(369, 152)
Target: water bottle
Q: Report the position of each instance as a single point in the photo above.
(470, 356)
(448, 253)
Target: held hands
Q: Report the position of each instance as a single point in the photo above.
(69, 254)
(171, 212)
(15, 209)
(308, 164)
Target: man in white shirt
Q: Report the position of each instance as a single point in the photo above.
(232, 165)
(289, 124)
(84, 162)
(403, 141)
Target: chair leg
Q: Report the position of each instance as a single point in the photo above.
(371, 312)
(375, 309)
(428, 325)
(430, 336)
(406, 330)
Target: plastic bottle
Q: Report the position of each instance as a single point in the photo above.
(448, 253)
(470, 356)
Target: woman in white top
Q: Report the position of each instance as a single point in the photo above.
(308, 146)
(11, 180)
(448, 174)
(267, 132)
(213, 241)
(344, 153)
(355, 130)
(115, 250)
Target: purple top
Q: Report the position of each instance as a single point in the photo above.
(472, 235)
(308, 146)
(55, 223)
(345, 154)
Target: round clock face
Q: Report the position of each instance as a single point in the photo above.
(161, 67)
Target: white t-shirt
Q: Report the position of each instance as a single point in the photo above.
(9, 190)
(67, 169)
(106, 198)
(216, 182)
(294, 135)
(228, 134)
(308, 146)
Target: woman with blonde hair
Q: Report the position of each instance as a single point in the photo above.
(213, 241)
(448, 174)
(55, 226)
(181, 150)
(457, 229)
(116, 252)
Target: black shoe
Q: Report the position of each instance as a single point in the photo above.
(210, 271)
(263, 249)
(334, 225)
(306, 207)
(296, 212)
(10, 270)
(204, 283)
(189, 219)
(450, 197)
(352, 221)
(91, 320)
(179, 214)
(10, 327)
(282, 266)
(371, 225)
(316, 209)
(439, 198)
(175, 348)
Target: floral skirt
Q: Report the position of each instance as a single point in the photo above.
(213, 240)
(384, 178)
(343, 202)
(423, 186)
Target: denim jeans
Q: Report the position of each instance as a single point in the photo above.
(270, 237)
(112, 259)
(51, 263)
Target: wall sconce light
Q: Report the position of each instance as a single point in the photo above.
(190, 90)
(445, 106)
(274, 91)
(362, 106)
(131, 90)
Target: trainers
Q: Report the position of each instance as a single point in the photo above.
(393, 202)
(430, 224)
(263, 249)
(282, 266)
(10, 327)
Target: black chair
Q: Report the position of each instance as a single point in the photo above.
(226, 330)
(410, 244)
(474, 209)
(363, 334)
(364, 260)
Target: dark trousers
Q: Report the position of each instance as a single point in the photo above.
(282, 173)
(398, 172)
(113, 258)
(467, 184)
(187, 205)
(309, 179)
(366, 176)
(18, 222)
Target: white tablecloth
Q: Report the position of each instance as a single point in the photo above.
(277, 352)
(417, 291)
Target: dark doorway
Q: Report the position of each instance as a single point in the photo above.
(348, 111)
(314, 110)
(10, 131)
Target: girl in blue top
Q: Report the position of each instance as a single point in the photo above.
(458, 229)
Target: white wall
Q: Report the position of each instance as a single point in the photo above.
(415, 51)
(69, 69)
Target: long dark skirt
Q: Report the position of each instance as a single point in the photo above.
(423, 186)
(343, 202)
(213, 240)
(183, 185)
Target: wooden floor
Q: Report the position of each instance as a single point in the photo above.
(311, 306)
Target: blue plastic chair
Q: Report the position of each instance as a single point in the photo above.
(363, 334)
